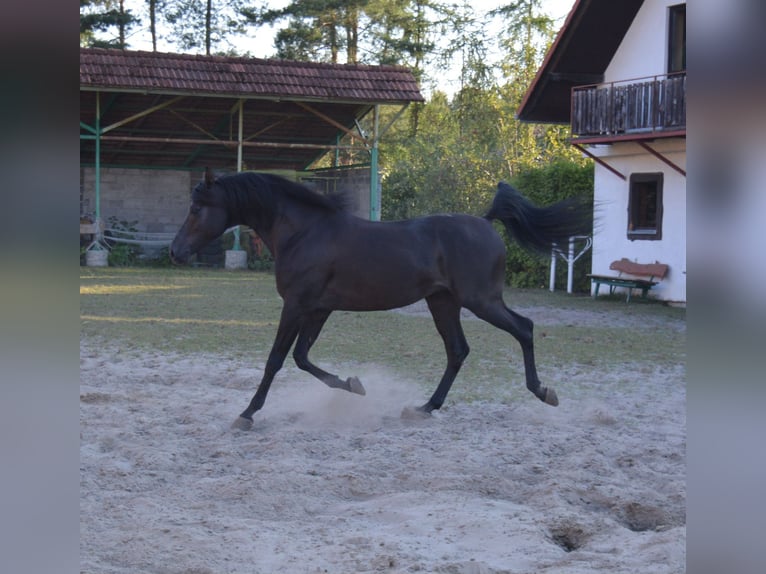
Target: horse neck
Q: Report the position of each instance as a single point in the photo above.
(292, 222)
(277, 219)
(252, 212)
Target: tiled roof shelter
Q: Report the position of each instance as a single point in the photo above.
(159, 110)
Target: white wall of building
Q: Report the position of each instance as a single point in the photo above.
(610, 240)
(644, 50)
(642, 53)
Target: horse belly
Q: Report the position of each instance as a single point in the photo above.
(377, 285)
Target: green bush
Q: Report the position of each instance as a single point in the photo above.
(122, 255)
(555, 182)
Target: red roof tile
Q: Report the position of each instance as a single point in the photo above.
(244, 77)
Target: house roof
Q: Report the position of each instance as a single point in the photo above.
(180, 110)
(579, 55)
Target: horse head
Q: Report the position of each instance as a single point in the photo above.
(207, 219)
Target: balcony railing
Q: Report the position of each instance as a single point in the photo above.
(642, 105)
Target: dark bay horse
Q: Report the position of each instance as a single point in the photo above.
(327, 259)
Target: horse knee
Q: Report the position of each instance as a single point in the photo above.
(461, 354)
(273, 365)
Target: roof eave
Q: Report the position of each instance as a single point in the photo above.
(553, 52)
(238, 95)
(552, 83)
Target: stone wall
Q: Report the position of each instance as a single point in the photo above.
(157, 201)
(356, 181)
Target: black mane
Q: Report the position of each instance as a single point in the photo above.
(262, 191)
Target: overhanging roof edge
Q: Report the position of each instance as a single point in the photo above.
(237, 96)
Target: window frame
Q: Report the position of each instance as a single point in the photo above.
(644, 233)
(676, 26)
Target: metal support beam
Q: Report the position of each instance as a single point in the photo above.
(598, 160)
(240, 129)
(98, 237)
(396, 117)
(226, 143)
(196, 126)
(86, 127)
(98, 164)
(661, 157)
(146, 112)
(329, 120)
(374, 188)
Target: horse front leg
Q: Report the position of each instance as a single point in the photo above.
(286, 334)
(309, 331)
(445, 311)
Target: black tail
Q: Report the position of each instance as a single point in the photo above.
(538, 228)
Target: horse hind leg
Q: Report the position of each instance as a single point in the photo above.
(445, 311)
(520, 328)
(307, 336)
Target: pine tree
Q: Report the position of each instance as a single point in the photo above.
(105, 23)
(203, 24)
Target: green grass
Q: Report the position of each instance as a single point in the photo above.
(235, 314)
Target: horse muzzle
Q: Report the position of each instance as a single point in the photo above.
(179, 256)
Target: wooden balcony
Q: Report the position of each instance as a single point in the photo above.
(631, 109)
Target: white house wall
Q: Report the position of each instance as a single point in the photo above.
(610, 240)
(642, 53)
(644, 50)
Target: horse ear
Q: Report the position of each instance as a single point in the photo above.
(209, 177)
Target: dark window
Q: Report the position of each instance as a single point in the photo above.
(645, 206)
(677, 39)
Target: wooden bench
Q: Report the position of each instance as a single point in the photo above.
(632, 276)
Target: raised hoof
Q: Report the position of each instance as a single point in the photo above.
(243, 424)
(551, 398)
(355, 386)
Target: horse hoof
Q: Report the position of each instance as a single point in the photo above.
(355, 386)
(242, 424)
(551, 398)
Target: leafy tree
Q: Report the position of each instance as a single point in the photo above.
(155, 7)
(526, 36)
(527, 33)
(99, 17)
(203, 24)
(556, 181)
(316, 30)
(351, 31)
(448, 166)
(400, 32)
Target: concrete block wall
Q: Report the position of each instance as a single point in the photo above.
(157, 200)
(353, 180)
